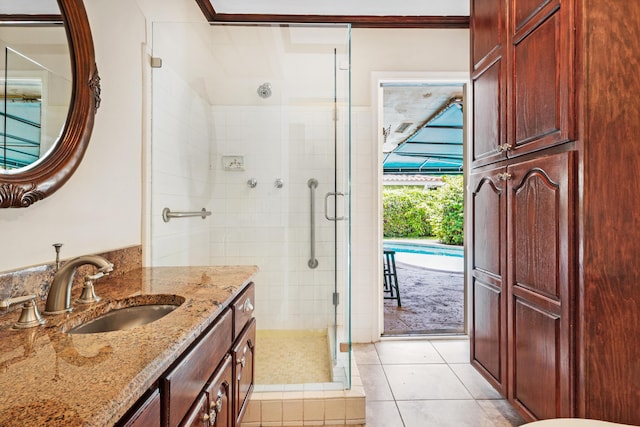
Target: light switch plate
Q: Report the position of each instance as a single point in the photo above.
(233, 163)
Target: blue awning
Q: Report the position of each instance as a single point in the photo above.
(435, 148)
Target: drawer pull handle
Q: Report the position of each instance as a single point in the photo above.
(219, 401)
(247, 307)
(504, 176)
(214, 408)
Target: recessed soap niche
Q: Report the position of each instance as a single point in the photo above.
(233, 163)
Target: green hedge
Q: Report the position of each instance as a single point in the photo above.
(448, 218)
(407, 212)
(414, 212)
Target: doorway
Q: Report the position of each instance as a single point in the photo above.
(422, 130)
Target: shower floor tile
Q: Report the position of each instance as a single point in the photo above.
(292, 357)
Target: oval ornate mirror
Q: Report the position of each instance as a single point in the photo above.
(25, 182)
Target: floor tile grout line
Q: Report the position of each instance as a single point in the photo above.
(449, 366)
(386, 378)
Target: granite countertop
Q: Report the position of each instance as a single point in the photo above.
(48, 377)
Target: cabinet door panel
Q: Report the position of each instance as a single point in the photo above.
(535, 210)
(540, 284)
(536, 354)
(197, 416)
(488, 341)
(488, 208)
(541, 88)
(488, 115)
(525, 9)
(487, 23)
(243, 370)
(220, 397)
(488, 328)
(541, 193)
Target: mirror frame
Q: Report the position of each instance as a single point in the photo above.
(28, 185)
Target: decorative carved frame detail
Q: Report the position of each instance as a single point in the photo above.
(22, 188)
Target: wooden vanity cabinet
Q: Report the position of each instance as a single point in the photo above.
(210, 384)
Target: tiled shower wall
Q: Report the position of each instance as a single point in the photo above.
(270, 226)
(265, 225)
(180, 171)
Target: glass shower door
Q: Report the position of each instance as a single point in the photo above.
(245, 124)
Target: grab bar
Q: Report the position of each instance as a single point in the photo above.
(167, 214)
(313, 184)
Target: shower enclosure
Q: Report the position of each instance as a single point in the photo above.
(252, 123)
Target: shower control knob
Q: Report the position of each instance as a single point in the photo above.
(264, 90)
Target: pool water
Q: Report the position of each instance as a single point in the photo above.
(425, 248)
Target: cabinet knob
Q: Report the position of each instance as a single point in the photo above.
(506, 176)
(243, 361)
(504, 147)
(247, 307)
(216, 406)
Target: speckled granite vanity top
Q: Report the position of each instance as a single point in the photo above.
(48, 377)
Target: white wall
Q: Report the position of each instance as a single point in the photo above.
(99, 208)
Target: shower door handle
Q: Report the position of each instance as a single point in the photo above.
(326, 203)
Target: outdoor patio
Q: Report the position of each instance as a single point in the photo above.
(432, 302)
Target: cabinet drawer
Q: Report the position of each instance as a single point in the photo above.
(243, 370)
(184, 383)
(147, 415)
(243, 309)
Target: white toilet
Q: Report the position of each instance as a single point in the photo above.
(572, 422)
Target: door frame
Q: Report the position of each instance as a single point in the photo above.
(426, 77)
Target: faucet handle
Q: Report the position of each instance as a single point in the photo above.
(29, 317)
(88, 295)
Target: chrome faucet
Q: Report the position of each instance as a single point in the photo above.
(59, 297)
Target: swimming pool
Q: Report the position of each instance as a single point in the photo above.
(425, 248)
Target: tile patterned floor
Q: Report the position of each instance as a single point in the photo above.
(422, 383)
(306, 354)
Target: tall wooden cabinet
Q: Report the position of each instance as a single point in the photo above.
(555, 215)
